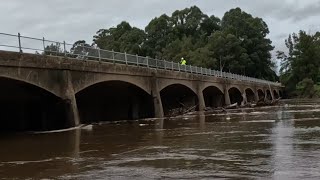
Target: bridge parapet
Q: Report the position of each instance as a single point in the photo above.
(81, 52)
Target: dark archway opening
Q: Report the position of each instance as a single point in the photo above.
(213, 97)
(235, 96)
(177, 96)
(281, 94)
(114, 101)
(269, 96)
(275, 94)
(250, 95)
(25, 107)
(261, 94)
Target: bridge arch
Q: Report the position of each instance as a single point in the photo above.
(261, 94)
(169, 82)
(25, 106)
(250, 95)
(213, 96)
(142, 83)
(177, 97)
(269, 95)
(33, 83)
(280, 93)
(235, 95)
(114, 100)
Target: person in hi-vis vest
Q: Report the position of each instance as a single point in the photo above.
(183, 61)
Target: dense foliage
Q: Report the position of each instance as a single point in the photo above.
(237, 43)
(300, 66)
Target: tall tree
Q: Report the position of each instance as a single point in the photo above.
(159, 33)
(301, 65)
(237, 43)
(252, 32)
(53, 49)
(122, 38)
(228, 53)
(166, 35)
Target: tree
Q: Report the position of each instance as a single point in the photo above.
(301, 64)
(166, 36)
(228, 52)
(237, 43)
(81, 50)
(252, 33)
(159, 33)
(53, 50)
(123, 38)
(191, 21)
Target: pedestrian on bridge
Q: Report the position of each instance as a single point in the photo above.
(183, 61)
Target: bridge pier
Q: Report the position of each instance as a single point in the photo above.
(265, 95)
(256, 96)
(226, 97)
(157, 102)
(272, 95)
(68, 95)
(202, 104)
(244, 97)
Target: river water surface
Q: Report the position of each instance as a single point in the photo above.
(280, 142)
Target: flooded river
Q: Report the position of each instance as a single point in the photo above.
(281, 142)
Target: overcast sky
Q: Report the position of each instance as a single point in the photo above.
(71, 20)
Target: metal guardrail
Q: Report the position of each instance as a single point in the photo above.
(37, 45)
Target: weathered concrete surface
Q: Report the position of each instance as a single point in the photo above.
(65, 77)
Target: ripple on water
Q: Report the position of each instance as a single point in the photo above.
(262, 143)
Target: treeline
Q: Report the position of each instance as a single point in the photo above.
(300, 67)
(236, 43)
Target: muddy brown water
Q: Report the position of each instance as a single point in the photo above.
(280, 142)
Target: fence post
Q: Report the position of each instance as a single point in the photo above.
(190, 69)
(172, 65)
(201, 70)
(125, 57)
(179, 66)
(113, 57)
(147, 61)
(99, 54)
(165, 66)
(64, 48)
(19, 38)
(137, 59)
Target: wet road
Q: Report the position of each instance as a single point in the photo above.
(281, 142)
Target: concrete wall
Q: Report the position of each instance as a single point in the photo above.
(65, 78)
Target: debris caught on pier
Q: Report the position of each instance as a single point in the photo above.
(183, 110)
(262, 102)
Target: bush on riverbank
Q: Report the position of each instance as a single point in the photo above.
(300, 71)
(307, 89)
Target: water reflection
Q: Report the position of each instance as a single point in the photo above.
(282, 144)
(23, 155)
(263, 143)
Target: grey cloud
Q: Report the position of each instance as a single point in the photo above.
(73, 20)
(297, 14)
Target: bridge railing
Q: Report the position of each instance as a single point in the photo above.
(11, 42)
